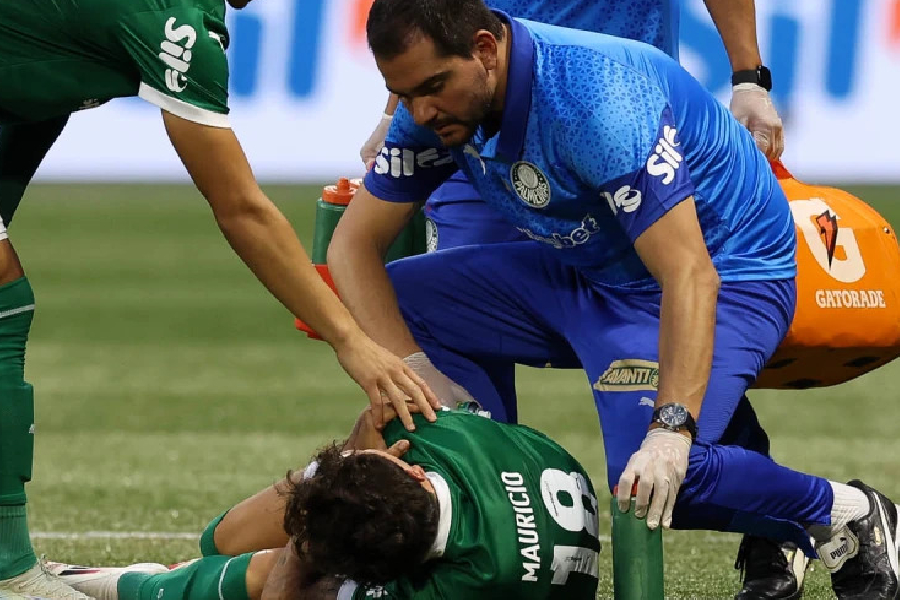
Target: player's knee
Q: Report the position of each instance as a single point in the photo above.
(10, 267)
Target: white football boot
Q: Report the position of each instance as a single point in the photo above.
(38, 583)
(100, 582)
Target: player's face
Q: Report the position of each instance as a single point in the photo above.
(450, 95)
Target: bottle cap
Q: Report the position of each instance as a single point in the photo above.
(340, 193)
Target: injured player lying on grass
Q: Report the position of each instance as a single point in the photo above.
(474, 509)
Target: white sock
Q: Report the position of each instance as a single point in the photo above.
(850, 503)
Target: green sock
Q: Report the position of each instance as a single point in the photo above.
(16, 553)
(210, 578)
(16, 433)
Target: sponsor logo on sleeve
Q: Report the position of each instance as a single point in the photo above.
(176, 54)
(627, 199)
(665, 159)
(403, 162)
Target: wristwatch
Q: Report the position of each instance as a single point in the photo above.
(761, 76)
(675, 417)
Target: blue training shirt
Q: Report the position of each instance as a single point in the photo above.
(599, 138)
(652, 21)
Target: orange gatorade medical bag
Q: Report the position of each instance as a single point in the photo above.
(847, 321)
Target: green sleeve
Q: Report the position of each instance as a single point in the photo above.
(22, 148)
(180, 56)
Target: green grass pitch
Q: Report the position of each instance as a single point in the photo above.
(170, 385)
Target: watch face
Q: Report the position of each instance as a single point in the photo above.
(673, 415)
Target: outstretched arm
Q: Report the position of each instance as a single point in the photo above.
(265, 241)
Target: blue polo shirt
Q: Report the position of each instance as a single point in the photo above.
(600, 137)
(654, 22)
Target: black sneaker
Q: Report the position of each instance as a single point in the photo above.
(770, 570)
(862, 556)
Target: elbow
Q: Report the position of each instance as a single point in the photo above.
(350, 242)
(706, 277)
(339, 240)
(235, 212)
(699, 275)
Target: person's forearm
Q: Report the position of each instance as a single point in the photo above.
(365, 289)
(286, 578)
(266, 242)
(686, 336)
(736, 22)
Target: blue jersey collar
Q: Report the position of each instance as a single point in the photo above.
(509, 141)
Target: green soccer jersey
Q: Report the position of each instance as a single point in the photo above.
(518, 514)
(59, 56)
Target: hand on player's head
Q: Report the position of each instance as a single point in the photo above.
(363, 515)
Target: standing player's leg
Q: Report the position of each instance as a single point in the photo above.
(22, 147)
(477, 311)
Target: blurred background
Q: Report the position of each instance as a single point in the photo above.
(305, 93)
(170, 385)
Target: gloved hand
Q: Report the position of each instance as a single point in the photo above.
(448, 392)
(375, 142)
(752, 106)
(659, 467)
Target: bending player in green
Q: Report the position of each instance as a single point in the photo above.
(475, 509)
(57, 57)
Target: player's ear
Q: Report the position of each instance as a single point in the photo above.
(486, 49)
(416, 472)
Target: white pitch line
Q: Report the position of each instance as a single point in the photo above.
(185, 535)
(115, 535)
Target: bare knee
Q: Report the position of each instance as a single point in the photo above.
(10, 267)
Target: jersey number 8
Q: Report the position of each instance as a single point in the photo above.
(569, 500)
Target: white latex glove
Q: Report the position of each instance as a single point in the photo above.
(448, 392)
(752, 106)
(659, 467)
(375, 142)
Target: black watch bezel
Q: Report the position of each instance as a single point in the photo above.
(761, 76)
(689, 423)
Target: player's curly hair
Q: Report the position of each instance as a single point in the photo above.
(451, 24)
(360, 517)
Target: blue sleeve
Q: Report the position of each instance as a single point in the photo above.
(412, 163)
(627, 148)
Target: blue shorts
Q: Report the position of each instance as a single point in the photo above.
(479, 310)
(461, 218)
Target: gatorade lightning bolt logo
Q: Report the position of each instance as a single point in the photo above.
(828, 228)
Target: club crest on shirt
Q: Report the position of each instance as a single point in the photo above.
(531, 185)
